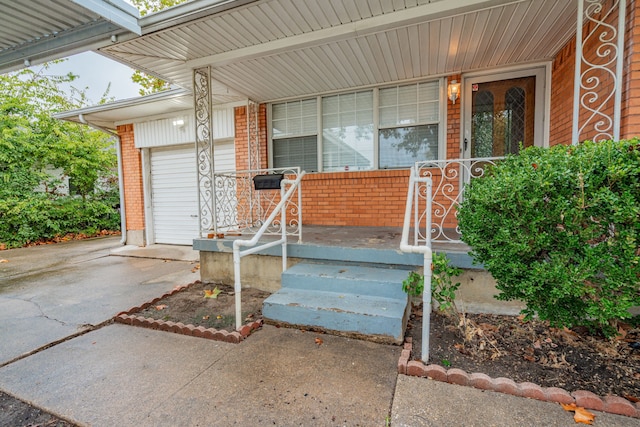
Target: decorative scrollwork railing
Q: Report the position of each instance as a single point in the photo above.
(240, 208)
(449, 178)
(598, 71)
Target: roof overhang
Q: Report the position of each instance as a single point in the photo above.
(108, 116)
(265, 50)
(36, 31)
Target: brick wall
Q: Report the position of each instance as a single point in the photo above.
(359, 198)
(453, 124)
(132, 178)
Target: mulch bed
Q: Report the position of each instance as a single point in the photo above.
(533, 352)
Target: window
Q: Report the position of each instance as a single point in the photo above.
(409, 117)
(294, 130)
(347, 131)
(351, 136)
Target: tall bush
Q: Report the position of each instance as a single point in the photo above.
(559, 229)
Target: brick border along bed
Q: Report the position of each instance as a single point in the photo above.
(235, 337)
(612, 404)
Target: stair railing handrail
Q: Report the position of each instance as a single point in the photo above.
(251, 244)
(412, 206)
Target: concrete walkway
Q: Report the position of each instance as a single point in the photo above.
(126, 376)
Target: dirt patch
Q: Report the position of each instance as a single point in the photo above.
(16, 413)
(505, 346)
(190, 306)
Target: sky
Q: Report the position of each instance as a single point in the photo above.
(95, 72)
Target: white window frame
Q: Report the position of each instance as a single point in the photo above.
(442, 122)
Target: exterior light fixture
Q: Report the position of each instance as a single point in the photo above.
(453, 91)
(114, 38)
(27, 63)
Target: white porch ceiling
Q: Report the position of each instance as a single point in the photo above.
(41, 30)
(276, 49)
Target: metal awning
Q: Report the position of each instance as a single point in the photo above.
(270, 50)
(36, 31)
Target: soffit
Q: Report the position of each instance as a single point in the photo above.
(277, 49)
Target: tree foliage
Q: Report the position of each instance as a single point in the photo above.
(559, 229)
(32, 205)
(150, 84)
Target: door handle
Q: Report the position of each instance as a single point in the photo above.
(466, 144)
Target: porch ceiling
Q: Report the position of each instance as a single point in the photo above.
(276, 49)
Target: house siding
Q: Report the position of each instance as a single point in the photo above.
(358, 198)
(133, 188)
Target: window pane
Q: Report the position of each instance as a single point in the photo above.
(292, 152)
(409, 104)
(296, 118)
(402, 147)
(347, 134)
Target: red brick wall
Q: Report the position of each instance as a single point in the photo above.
(132, 177)
(453, 124)
(359, 198)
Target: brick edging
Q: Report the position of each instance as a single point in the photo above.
(611, 404)
(129, 318)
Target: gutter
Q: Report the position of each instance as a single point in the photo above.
(123, 216)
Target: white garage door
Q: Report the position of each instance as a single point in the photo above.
(174, 190)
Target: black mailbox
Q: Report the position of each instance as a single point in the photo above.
(268, 182)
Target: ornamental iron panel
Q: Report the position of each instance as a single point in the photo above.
(598, 70)
(204, 147)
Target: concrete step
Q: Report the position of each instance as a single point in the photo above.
(378, 318)
(362, 301)
(362, 280)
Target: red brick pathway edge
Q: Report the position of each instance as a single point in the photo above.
(129, 318)
(611, 404)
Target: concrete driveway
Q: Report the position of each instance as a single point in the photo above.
(51, 292)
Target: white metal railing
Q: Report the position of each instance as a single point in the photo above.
(280, 209)
(420, 188)
(449, 178)
(239, 208)
(435, 191)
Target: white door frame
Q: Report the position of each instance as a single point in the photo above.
(542, 101)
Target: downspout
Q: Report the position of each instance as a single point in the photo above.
(123, 216)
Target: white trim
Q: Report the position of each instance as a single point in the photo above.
(147, 195)
(542, 93)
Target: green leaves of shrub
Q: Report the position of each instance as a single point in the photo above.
(558, 229)
(443, 290)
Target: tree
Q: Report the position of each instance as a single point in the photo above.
(151, 84)
(31, 142)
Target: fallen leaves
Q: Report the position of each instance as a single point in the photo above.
(195, 268)
(318, 341)
(208, 293)
(3, 261)
(581, 415)
(161, 307)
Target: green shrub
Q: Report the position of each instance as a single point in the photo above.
(558, 229)
(443, 290)
(39, 216)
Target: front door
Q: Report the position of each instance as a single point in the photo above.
(504, 114)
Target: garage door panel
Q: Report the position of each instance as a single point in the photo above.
(174, 190)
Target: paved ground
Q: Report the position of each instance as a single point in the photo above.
(126, 376)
